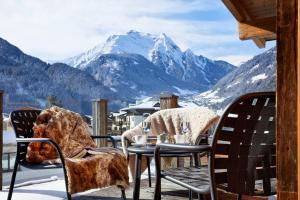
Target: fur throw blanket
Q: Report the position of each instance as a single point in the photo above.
(87, 166)
(169, 121)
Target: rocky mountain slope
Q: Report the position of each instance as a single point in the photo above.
(257, 74)
(27, 81)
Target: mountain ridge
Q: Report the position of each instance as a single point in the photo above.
(255, 75)
(161, 51)
(121, 78)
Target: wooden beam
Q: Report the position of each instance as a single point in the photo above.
(237, 9)
(259, 30)
(298, 99)
(262, 28)
(234, 9)
(260, 43)
(287, 100)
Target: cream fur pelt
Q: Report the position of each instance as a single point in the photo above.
(169, 120)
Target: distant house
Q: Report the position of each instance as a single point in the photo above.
(135, 112)
(119, 122)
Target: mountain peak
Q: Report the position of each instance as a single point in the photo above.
(188, 52)
(136, 33)
(132, 31)
(159, 49)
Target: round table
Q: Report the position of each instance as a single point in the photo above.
(148, 150)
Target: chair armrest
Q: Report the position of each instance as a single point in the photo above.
(48, 140)
(113, 141)
(185, 148)
(26, 140)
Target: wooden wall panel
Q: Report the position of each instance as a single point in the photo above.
(287, 99)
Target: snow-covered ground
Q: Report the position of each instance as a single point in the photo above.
(184, 92)
(9, 137)
(52, 188)
(258, 77)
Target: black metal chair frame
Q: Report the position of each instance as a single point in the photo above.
(26, 118)
(213, 149)
(202, 139)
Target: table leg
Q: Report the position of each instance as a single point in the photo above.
(149, 171)
(137, 178)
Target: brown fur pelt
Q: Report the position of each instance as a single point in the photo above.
(40, 152)
(96, 171)
(107, 167)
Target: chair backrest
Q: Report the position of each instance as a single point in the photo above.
(22, 122)
(244, 144)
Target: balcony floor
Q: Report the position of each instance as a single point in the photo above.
(169, 192)
(54, 190)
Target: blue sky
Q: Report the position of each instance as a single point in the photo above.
(57, 29)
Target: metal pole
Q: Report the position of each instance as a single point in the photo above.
(8, 161)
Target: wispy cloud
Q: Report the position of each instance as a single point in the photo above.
(55, 29)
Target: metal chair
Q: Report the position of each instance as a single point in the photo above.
(243, 151)
(23, 121)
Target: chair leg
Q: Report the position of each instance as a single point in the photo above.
(201, 197)
(149, 171)
(190, 195)
(66, 183)
(12, 183)
(123, 193)
(69, 196)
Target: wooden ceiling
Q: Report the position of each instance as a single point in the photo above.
(256, 19)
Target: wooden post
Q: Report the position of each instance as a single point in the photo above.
(99, 109)
(1, 138)
(288, 107)
(298, 99)
(168, 101)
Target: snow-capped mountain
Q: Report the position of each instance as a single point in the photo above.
(257, 74)
(127, 67)
(132, 43)
(134, 75)
(198, 72)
